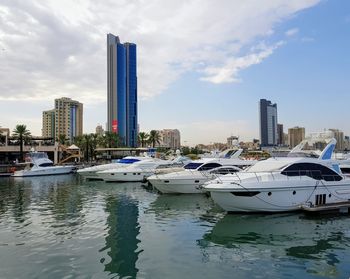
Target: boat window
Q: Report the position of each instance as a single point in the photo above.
(46, 165)
(315, 171)
(209, 166)
(192, 166)
(128, 161)
(224, 170)
(345, 170)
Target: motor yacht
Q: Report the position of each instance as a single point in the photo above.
(283, 184)
(194, 174)
(38, 163)
(137, 172)
(89, 173)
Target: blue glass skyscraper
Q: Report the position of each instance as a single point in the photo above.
(122, 90)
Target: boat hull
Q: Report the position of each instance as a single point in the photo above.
(179, 186)
(279, 199)
(44, 171)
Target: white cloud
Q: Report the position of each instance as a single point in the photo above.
(62, 42)
(57, 48)
(292, 32)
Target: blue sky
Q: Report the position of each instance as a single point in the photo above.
(202, 66)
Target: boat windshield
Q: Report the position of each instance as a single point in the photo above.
(38, 155)
(127, 161)
(46, 165)
(267, 166)
(192, 166)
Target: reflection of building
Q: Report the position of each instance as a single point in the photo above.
(122, 90)
(68, 118)
(295, 136)
(121, 241)
(170, 138)
(48, 129)
(268, 123)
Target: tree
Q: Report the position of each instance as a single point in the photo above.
(21, 133)
(154, 137)
(111, 140)
(143, 137)
(62, 139)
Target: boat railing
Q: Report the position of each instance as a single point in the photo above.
(279, 176)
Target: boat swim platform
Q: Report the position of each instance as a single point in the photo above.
(337, 207)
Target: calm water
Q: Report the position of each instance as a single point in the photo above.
(64, 227)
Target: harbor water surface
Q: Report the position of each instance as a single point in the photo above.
(65, 227)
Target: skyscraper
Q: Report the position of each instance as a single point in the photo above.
(268, 123)
(122, 90)
(68, 118)
(48, 129)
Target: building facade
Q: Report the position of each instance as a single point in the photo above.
(268, 123)
(68, 118)
(122, 90)
(339, 136)
(170, 138)
(99, 130)
(295, 136)
(280, 135)
(232, 141)
(48, 121)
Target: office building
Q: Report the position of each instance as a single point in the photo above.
(68, 118)
(268, 123)
(48, 122)
(232, 141)
(295, 136)
(280, 134)
(99, 130)
(122, 90)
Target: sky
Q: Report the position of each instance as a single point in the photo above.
(203, 65)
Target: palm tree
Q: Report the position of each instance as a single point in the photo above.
(154, 137)
(62, 139)
(143, 137)
(21, 133)
(111, 140)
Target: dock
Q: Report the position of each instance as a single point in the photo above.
(338, 207)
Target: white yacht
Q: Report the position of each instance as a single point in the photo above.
(37, 163)
(283, 184)
(195, 174)
(90, 172)
(137, 172)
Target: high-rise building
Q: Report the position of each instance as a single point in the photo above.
(280, 134)
(68, 118)
(122, 90)
(268, 123)
(99, 130)
(295, 136)
(48, 129)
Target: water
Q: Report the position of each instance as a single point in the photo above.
(64, 227)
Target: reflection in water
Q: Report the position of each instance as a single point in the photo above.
(123, 229)
(178, 205)
(277, 235)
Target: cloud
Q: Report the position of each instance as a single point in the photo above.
(292, 32)
(57, 48)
